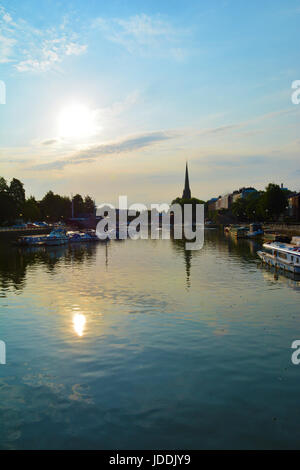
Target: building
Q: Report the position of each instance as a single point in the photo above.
(187, 191)
(223, 202)
(242, 193)
(211, 204)
(294, 206)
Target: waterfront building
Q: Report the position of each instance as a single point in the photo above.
(294, 207)
(242, 193)
(211, 204)
(223, 202)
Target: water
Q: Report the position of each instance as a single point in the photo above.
(140, 344)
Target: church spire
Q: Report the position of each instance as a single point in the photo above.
(187, 191)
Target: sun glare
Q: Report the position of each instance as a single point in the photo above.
(79, 323)
(76, 121)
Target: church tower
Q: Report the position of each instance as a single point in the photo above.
(187, 191)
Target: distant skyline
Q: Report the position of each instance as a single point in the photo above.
(112, 98)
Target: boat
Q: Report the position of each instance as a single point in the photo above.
(74, 237)
(282, 256)
(255, 231)
(92, 234)
(33, 240)
(88, 236)
(58, 236)
(238, 231)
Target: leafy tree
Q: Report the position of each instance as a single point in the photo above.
(253, 207)
(239, 208)
(193, 201)
(17, 192)
(55, 207)
(3, 185)
(78, 205)
(65, 207)
(8, 211)
(31, 210)
(274, 201)
(89, 205)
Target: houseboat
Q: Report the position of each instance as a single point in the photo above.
(282, 256)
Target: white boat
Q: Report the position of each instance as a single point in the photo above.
(57, 237)
(282, 256)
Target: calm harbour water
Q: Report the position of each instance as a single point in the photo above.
(140, 344)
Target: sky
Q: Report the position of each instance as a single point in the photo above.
(112, 98)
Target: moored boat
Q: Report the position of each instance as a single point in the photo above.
(255, 231)
(238, 231)
(33, 240)
(281, 255)
(88, 236)
(58, 236)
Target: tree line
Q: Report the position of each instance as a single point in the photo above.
(14, 205)
(266, 205)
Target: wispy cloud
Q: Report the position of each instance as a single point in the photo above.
(227, 128)
(220, 129)
(143, 34)
(6, 48)
(95, 152)
(31, 49)
(49, 142)
(234, 160)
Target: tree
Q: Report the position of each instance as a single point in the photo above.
(253, 207)
(31, 210)
(192, 201)
(8, 210)
(17, 193)
(239, 208)
(274, 201)
(55, 207)
(78, 205)
(89, 205)
(3, 185)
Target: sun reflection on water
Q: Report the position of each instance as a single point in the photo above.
(79, 322)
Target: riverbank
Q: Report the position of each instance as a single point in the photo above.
(13, 233)
(284, 229)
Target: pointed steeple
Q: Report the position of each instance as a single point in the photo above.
(187, 191)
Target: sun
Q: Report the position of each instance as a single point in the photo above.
(77, 121)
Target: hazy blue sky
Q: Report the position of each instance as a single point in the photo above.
(112, 98)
